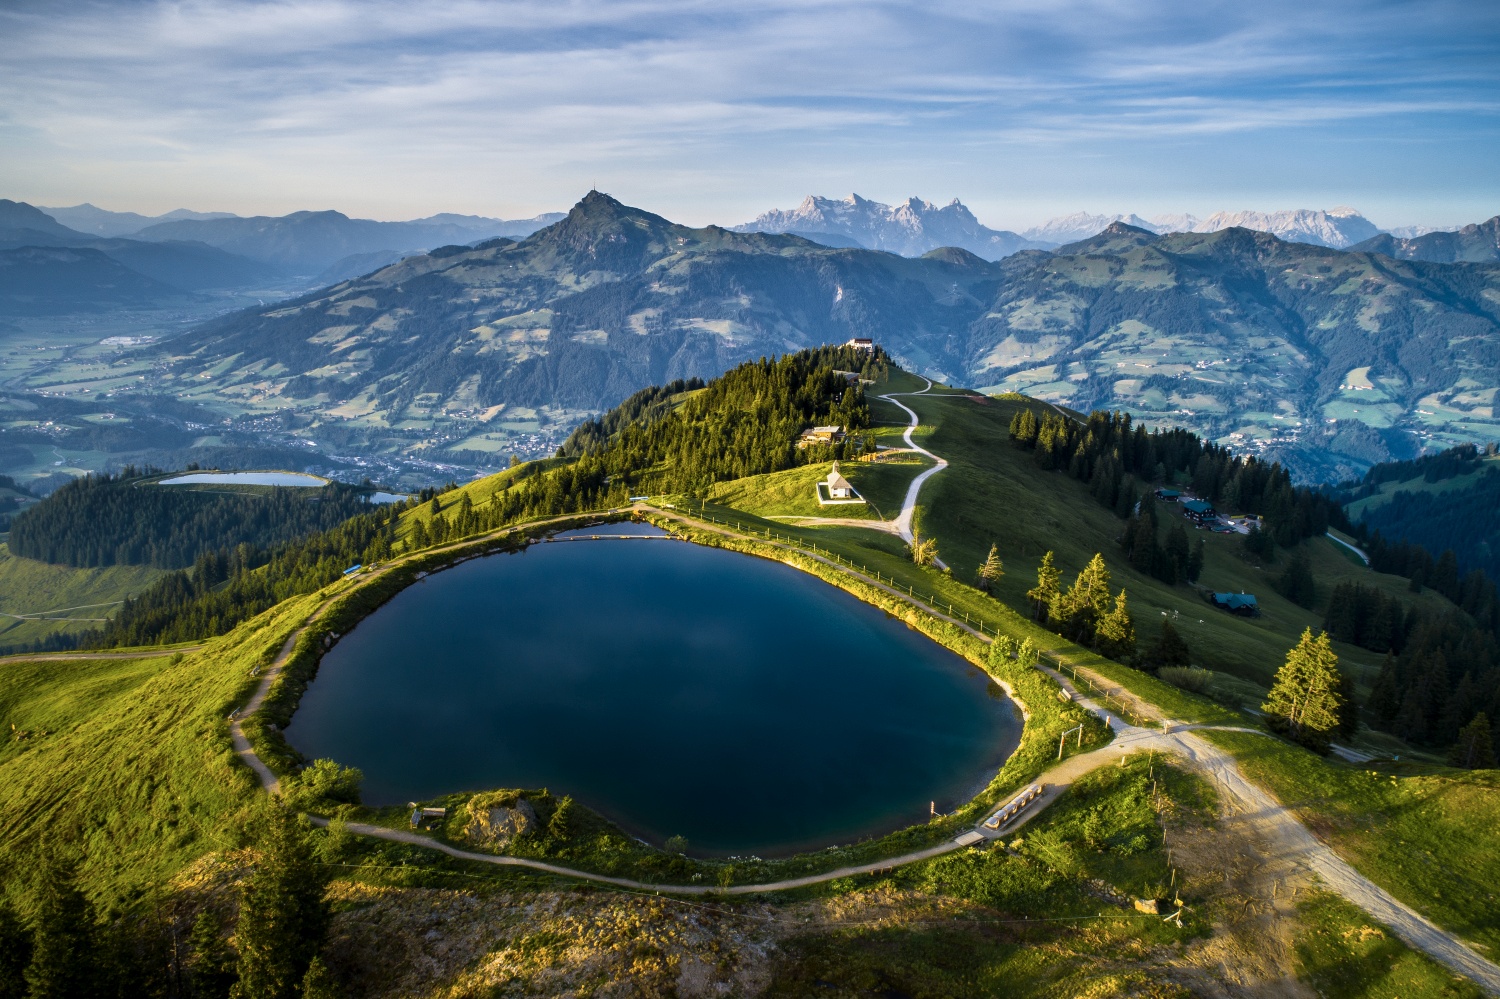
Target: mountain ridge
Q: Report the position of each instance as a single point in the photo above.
(910, 229)
(1265, 349)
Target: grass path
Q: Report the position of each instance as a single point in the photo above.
(156, 653)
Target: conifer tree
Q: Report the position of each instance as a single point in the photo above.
(992, 570)
(282, 914)
(1169, 649)
(1115, 635)
(1348, 706)
(1474, 749)
(1087, 601)
(212, 971)
(924, 551)
(15, 952)
(1304, 702)
(1195, 561)
(1296, 581)
(1045, 595)
(63, 952)
(319, 982)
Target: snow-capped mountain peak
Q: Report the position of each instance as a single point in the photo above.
(911, 228)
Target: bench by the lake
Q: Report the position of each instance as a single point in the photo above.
(420, 815)
(1006, 815)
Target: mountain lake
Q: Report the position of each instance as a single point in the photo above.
(674, 688)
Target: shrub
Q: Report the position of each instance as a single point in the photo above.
(1189, 678)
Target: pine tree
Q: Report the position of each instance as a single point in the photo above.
(1474, 749)
(1169, 649)
(63, 951)
(1385, 697)
(1178, 552)
(924, 551)
(992, 570)
(558, 826)
(1115, 634)
(1195, 561)
(1087, 600)
(282, 914)
(15, 952)
(1296, 581)
(212, 971)
(319, 982)
(1304, 702)
(1044, 596)
(1348, 706)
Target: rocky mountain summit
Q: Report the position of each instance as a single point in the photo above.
(911, 228)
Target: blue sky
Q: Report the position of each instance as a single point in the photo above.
(713, 112)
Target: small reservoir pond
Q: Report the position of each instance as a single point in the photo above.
(677, 689)
(244, 479)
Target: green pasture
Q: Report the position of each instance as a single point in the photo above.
(38, 599)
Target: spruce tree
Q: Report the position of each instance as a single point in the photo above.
(1045, 595)
(1296, 581)
(1195, 561)
(319, 982)
(1087, 601)
(1474, 749)
(211, 971)
(1169, 649)
(1115, 635)
(992, 570)
(15, 952)
(63, 939)
(283, 918)
(1304, 703)
(1348, 707)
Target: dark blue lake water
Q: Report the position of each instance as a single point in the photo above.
(678, 690)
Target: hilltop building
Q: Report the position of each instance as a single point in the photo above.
(838, 486)
(862, 343)
(820, 435)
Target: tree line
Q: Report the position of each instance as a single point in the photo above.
(1120, 460)
(267, 946)
(127, 519)
(744, 423)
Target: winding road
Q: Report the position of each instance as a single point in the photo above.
(900, 525)
(1278, 825)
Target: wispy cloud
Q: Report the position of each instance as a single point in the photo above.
(705, 110)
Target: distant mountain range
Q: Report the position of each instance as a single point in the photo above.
(1473, 243)
(196, 252)
(911, 228)
(1330, 360)
(86, 218)
(915, 227)
(1338, 227)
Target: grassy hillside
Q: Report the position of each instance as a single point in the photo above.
(127, 765)
(37, 599)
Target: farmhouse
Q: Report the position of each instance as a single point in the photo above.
(1198, 510)
(1169, 495)
(1237, 603)
(820, 435)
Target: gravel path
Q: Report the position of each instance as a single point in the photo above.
(1273, 821)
